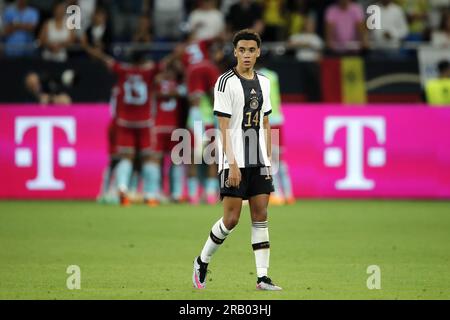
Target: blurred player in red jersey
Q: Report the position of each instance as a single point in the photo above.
(201, 74)
(168, 93)
(134, 119)
(107, 192)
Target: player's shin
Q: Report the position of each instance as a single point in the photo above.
(193, 185)
(152, 180)
(210, 186)
(106, 181)
(261, 247)
(285, 180)
(177, 175)
(123, 174)
(216, 237)
(134, 182)
(277, 185)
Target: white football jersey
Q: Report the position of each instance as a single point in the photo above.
(245, 102)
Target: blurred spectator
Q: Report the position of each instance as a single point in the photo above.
(2, 7)
(19, 23)
(245, 14)
(366, 3)
(319, 8)
(87, 11)
(206, 20)
(125, 15)
(345, 27)
(55, 37)
(143, 32)
(435, 12)
(394, 27)
(50, 89)
(441, 38)
(274, 18)
(417, 14)
(225, 5)
(87, 8)
(167, 17)
(307, 43)
(297, 17)
(98, 35)
(2, 4)
(438, 90)
(43, 6)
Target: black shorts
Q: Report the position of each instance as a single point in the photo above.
(254, 181)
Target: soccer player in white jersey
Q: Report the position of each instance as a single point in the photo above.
(242, 105)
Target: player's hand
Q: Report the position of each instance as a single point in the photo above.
(234, 177)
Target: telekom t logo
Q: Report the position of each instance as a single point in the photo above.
(354, 179)
(45, 179)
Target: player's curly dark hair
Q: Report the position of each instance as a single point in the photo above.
(246, 34)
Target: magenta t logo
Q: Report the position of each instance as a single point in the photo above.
(45, 179)
(376, 157)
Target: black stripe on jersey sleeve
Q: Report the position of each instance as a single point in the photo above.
(224, 82)
(222, 114)
(267, 113)
(222, 77)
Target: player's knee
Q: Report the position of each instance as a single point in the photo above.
(231, 221)
(259, 214)
(127, 156)
(151, 159)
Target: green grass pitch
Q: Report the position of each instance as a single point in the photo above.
(319, 250)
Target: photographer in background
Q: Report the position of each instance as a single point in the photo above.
(48, 89)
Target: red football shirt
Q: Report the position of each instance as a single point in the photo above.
(196, 52)
(133, 96)
(167, 109)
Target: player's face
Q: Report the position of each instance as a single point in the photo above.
(246, 53)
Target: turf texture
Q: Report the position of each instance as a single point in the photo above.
(319, 250)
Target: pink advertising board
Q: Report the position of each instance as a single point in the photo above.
(53, 152)
(333, 152)
(391, 151)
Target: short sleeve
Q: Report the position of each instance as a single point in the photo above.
(222, 100)
(267, 104)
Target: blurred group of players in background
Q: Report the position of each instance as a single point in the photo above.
(148, 102)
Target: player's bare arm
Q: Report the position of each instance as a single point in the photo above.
(234, 177)
(100, 55)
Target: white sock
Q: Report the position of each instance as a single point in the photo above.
(261, 247)
(216, 237)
